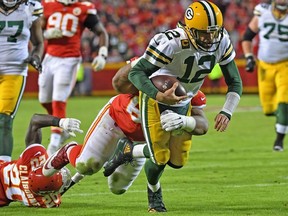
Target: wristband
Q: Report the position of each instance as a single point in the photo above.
(56, 121)
(226, 114)
(103, 51)
(232, 100)
(248, 55)
(190, 123)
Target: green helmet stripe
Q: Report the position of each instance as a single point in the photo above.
(210, 13)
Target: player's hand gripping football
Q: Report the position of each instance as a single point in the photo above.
(169, 97)
(35, 61)
(250, 63)
(99, 61)
(71, 125)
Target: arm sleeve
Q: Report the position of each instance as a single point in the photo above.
(91, 21)
(249, 35)
(232, 77)
(139, 76)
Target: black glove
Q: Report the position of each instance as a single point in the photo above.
(250, 63)
(35, 61)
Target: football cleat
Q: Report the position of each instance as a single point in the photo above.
(57, 160)
(122, 155)
(155, 201)
(278, 146)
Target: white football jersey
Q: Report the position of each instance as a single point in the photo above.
(177, 56)
(15, 35)
(273, 35)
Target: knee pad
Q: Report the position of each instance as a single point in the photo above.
(115, 183)
(162, 156)
(89, 167)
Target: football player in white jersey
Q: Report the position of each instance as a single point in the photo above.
(188, 52)
(270, 22)
(19, 24)
(118, 121)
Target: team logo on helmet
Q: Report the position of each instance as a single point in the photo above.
(189, 13)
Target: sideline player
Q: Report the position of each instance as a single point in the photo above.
(64, 22)
(188, 52)
(22, 180)
(19, 23)
(270, 21)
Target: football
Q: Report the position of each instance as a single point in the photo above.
(165, 82)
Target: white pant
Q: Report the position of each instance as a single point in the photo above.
(99, 145)
(58, 78)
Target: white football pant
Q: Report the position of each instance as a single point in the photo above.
(58, 78)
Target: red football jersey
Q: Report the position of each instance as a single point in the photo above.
(14, 180)
(70, 19)
(124, 110)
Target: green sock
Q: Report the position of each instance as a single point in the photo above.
(153, 172)
(282, 114)
(6, 138)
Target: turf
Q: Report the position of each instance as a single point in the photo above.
(230, 173)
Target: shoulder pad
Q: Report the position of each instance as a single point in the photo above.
(90, 7)
(260, 8)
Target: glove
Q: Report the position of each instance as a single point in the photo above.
(52, 33)
(250, 63)
(100, 60)
(71, 125)
(171, 121)
(35, 61)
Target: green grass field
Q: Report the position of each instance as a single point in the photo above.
(230, 173)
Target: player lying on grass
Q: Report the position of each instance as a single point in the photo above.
(117, 121)
(22, 180)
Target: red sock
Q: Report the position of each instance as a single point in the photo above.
(59, 109)
(74, 153)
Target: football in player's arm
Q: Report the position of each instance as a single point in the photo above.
(118, 121)
(22, 180)
(188, 52)
(268, 22)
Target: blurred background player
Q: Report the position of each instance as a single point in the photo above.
(22, 180)
(271, 23)
(64, 22)
(188, 52)
(117, 121)
(19, 23)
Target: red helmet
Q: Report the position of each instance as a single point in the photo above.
(40, 184)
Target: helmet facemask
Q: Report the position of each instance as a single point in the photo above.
(67, 2)
(281, 5)
(10, 3)
(206, 39)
